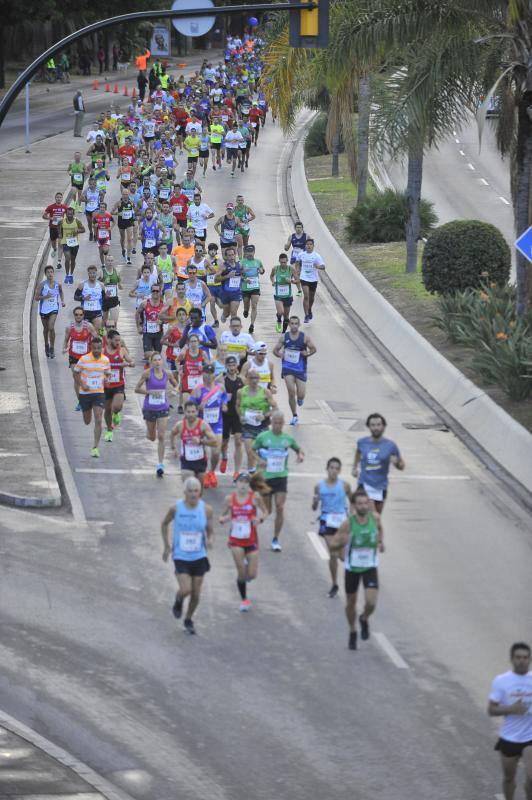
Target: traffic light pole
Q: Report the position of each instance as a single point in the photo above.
(135, 16)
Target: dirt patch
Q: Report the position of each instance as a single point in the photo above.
(384, 266)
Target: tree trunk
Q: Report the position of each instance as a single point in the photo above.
(335, 166)
(413, 192)
(363, 138)
(2, 58)
(522, 198)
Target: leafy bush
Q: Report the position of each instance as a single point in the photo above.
(508, 363)
(315, 144)
(464, 254)
(383, 216)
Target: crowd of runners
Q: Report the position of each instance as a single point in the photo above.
(198, 292)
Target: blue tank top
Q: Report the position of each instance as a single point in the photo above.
(150, 233)
(228, 232)
(189, 532)
(233, 284)
(332, 499)
(293, 362)
(298, 245)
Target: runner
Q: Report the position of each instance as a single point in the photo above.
(294, 348)
(511, 698)
(115, 393)
(69, 230)
(331, 497)
(193, 536)
(204, 332)
(112, 282)
(147, 317)
(150, 233)
(233, 140)
(272, 447)
(362, 537)
(194, 436)
(212, 403)
(102, 223)
(91, 198)
(183, 253)
(204, 148)
(236, 341)
(93, 370)
(142, 289)
(230, 274)
(48, 294)
(373, 456)
(198, 213)
(244, 215)
(244, 509)
(216, 134)
(213, 281)
(179, 203)
(308, 262)
(252, 269)
(225, 226)
(90, 293)
(282, 276)
(54, 213)
(77, 172)
(254, 406)
(124, 209)
(76, 342)
(196, 291)
(153, 384)
(231, 420)
(258, 361)
(165, 265)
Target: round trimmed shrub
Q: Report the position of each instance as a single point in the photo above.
(315, 142)
(465, 254)
(383, 216)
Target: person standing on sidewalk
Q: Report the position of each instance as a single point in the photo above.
(142, 82)
(79, 109)
(101, 59)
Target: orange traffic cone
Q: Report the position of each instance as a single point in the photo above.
(95, 84)
(115, 90)
(125, 91)
(107, 87)
(134, 93)
(181, 66)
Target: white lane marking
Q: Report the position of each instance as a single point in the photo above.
(318, 545)
(455, 133)
(504, 200)
(499, 797)
(388, 648)
(470, 166)
(457, 141)
(139, 471)
(461, 152)
(484, 181)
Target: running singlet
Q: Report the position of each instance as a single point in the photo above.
(251, 268)
(92, 200)
(298, 246)
(117, 374)
(283, 282)
(191, 451)
(293, 362)
(190, 525)
(193, 371)
(213, 400)
(156, 398)
(308, 261)
(232, 284)
(70, 233)
(102, 222)
(264, 370)
(92, 371)
(195, 295)
(243, 532)
(50, 302)
(165, 269)
(172, 347)
(79, 340)
(361, 550)
(228, 234)
(152, 323)
(150, 234)
(91, 297)
(254, 407)
(333, 503)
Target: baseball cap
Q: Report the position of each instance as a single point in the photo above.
(230, 205)
(231, 360)
(260, 347)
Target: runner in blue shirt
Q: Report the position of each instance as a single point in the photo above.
(372, 461)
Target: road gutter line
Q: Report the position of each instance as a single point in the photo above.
(388, 648)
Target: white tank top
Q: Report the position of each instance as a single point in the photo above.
(265, 373)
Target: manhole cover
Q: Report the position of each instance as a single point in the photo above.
(12, 402)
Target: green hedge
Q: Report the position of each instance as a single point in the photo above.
(383, 216)
(315, 144)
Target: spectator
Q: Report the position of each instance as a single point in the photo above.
(153, 80)
(79, 113)
(115, 57)
(64, 63)
(142, 82)
(101, 59)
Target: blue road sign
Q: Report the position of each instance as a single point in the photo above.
(524, 243)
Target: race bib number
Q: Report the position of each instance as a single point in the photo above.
(228, 234)
(126, 176)
(194, 381)
(199, 231)
(275, 461)
(157, 398)
(127, 214)
(164, 194)
(178, 209)
(80, 348)
(114, 376)
(253, 124)
(194, 452)
(166, 276)
(234, 282)
(190, 541)
(283, 290)
(211, 415)
(94, 382)
(252, 417)
(77, 177)
(334, 520)
(240, 529)
(49, 305)
(291, 356)
(103, 233)
(362, 557)
(149, 242)
(210, 280)
(72, 241)
(152, 327)
(111, 291)
(373, 493)
(91, 305)
(253, 283)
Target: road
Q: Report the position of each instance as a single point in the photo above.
(269, 704)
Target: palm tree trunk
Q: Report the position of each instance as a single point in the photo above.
(522, 199)
(413, 193)
(335, 164)
(363, 137)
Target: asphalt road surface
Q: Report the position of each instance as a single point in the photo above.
(270, 704)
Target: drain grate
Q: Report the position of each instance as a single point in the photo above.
(426, 426)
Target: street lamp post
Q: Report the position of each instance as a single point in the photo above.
(28, 117)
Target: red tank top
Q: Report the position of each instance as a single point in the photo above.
(189, 450)
(172, 351)
(193, 371)
(116, 376)
(79, 340)
(243, 532)
(151, 317)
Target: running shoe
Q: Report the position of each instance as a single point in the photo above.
(78, 407)
(276, 545)
(65, 279)
(91, 237)
(108, 436)
(235, 476)
(128, 262)
(133, 251)
(189, 626)
(160, 470)
(123, 253)
(117, 418)
(47, 351)
(213, 483)
(180, 409)
(95, 453)
(206, 481)
(294, 420)
(364, 628)
(307, 318)
(214, 168)
(310, 315)
(278, 327)
(333, 591)
(245, 605)
(223, 465)
(251, 328)
(246, 313)
(59, 265)
(177, 608)
(352, 640)
(215, 324)
(300, 401)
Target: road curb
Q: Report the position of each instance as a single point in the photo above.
(505, 441)
(85, 772)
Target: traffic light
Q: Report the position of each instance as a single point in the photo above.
(310, 28)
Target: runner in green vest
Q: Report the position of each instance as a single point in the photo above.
(77, 171)
(362, 537)
(254, 405)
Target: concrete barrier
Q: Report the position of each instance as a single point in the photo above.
(504, 439)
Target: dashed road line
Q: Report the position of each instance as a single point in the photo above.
(388, 648)
(484, 181)
(504, 200)
(318, 545)
(170, 471)
(461, 152)
(470, 165)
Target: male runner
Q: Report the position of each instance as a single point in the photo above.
(331, 497)
(93, 370)
(373, 456)
(294, 348)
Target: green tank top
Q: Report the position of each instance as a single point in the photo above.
(283, 277)
(164, 268)
(361, 551)
(166, 220)
(109, 278)
(76, 170)
(257, 402)
(241, 214)
(70, 231)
